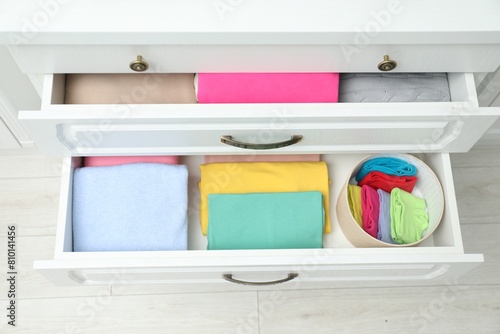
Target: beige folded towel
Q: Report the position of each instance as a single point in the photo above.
(130, 88)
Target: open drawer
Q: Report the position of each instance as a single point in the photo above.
(142, 129)
(440, 257)
(342, 132)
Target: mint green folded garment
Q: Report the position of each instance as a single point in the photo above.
(265, 220)
(409, 220)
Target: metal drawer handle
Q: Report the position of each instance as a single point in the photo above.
(229, 278)
(230, 141)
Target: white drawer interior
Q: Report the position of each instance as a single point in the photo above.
(461, 85)
(446, 239)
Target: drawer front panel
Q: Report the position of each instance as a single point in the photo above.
(257, 58)
(77, 134)
(421, 269)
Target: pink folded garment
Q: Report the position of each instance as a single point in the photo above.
(114, 161)
(261, 158)
(371, 207)
(268, 87)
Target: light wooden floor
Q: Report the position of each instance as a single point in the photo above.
(29, 190)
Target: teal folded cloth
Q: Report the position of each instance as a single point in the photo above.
(265, 220)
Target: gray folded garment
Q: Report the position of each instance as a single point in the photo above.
(394, 87)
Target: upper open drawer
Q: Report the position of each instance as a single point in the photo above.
(128, 129)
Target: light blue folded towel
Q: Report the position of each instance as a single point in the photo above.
(133, 207)
(387, 165)
(265, 220)
(384, 217)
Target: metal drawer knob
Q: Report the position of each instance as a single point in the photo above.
(387, 64)
(139, 65)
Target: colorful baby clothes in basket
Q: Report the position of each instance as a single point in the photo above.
(354, 199)
(132, 207)
(384, 217)
(386, 165)
(371, 207)
(378, 180)
(262, 177)
(409, 219)
(265, 220)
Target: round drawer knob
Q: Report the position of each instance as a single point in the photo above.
(387, 64)
(139, 65)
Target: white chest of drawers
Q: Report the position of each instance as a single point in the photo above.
(238, 36)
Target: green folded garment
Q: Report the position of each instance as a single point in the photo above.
(409, 220)
(265, 220)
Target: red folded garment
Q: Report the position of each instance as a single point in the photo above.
(379, 180)
(371, 206)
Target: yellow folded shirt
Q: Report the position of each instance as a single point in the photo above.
(354, 198)
(259, 177)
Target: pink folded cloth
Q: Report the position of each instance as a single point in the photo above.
(371, 206)
(114, 161)
(261, 158)
(268, 87)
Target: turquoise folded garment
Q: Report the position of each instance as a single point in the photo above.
(386, 165)
(265, 220)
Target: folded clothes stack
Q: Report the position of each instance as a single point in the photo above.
(122, 160)
(394, 87)
(129, 203)
(161, 88)
(261, 205)
(208, 159)
(130, 88)
(138, 206)
(266, 220)
(382, 202)
(267, 87)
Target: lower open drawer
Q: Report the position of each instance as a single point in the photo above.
(440, 257)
